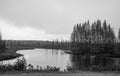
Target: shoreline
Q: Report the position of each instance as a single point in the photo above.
(9, 54)
(80, 73)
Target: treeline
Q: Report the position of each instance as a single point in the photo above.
(2, 43)
(94, 38)
(31, 44)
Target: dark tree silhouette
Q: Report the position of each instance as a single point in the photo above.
(119, 35)
(2, 43)
(86, 36)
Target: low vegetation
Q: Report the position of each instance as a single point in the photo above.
(21, 65)
(95, 68)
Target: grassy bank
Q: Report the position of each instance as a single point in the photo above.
(62, 74)
(9, 54)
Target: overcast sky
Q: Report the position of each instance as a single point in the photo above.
(51, 19)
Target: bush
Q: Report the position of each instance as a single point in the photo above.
(20, 64)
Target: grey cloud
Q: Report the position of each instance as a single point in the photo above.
(58, 16)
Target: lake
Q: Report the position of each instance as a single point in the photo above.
(58, 58)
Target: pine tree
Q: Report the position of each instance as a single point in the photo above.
(119, 35)
(104, 31)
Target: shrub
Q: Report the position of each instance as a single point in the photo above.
(20, 64)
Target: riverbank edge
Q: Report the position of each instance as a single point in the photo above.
(11, 53)
(8, 54)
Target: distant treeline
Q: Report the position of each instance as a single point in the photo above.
(31, 44)
(95, 38)
(2, 43)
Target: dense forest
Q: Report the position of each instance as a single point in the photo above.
(95, 38)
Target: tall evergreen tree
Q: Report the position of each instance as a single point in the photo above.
(104, 31)
(119, 35)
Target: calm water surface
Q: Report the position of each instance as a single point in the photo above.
(58, 58)
(45, 57)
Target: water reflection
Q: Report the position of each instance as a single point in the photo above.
(45, 57)
(87, 61)
(58, 58)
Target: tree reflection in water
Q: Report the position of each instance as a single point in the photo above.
(88, 62)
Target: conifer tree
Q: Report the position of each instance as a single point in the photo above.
(119, 35)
